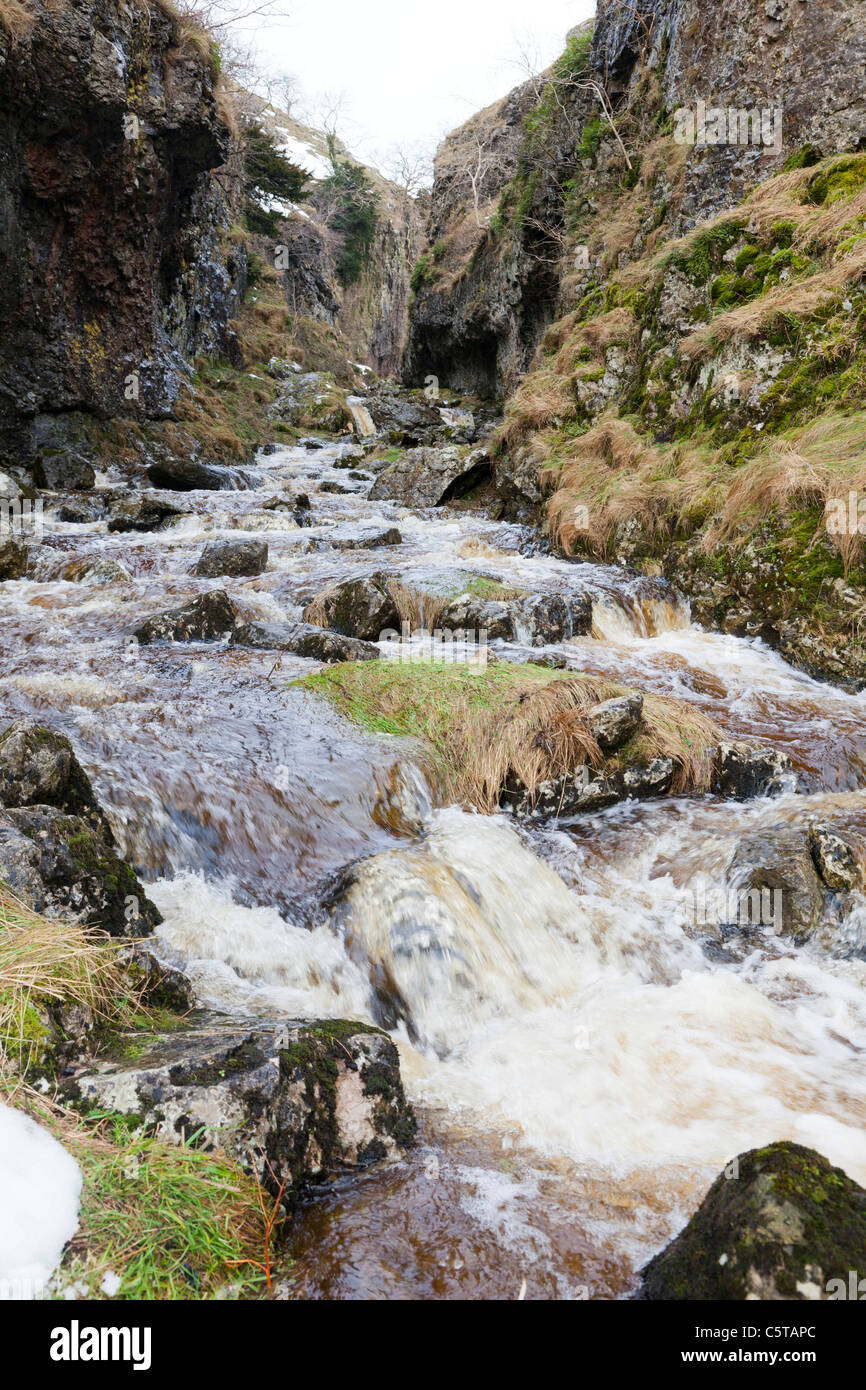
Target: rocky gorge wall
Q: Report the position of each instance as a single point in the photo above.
(541, 156)
(112, 242)
(676, 324)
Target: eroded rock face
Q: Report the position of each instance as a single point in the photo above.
(778, 1223)
(233, 558)
(304, 639)
(111, 235)
(208, 618)
(303, 1099)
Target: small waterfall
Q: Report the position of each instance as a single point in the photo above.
(361, 416)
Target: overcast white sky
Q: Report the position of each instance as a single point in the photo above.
(412, 71)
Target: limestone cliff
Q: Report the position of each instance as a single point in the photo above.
(543, 160)
(115, 269)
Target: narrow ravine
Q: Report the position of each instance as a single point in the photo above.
(587, 1066)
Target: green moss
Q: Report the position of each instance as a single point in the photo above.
(783, 1216)
(843, 179)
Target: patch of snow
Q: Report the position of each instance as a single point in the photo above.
(317, 165)
(40, 1185)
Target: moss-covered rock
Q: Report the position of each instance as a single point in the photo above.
(778, 1223)
(298, 1100)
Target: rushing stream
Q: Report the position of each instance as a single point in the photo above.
(589, 1067)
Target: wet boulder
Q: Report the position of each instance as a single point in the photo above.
(190, 475)
(431, 477)
(362, 537)
(303, 639)
(159, 986)
(312, 401)
(38, 767)
(361, 607)
(233, 558)
(208, 618)
(94, 569)
(780, 1223)
(544, 619)
(469, 613)
(15, 559)
(63, 866)
(614, 721)
(779, 859)
(141, 513)
(588, 789)
(338, 489)
(402, 418)
(741, 772)
(303, 1099)
(81, 510)
(835, 860)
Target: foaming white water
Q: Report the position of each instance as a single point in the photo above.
(586, 1022)
(249, 958)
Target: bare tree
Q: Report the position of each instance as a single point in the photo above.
(217, 15)
(410, 167)
(480, 165)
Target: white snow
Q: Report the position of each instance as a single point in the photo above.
(317, 165)
(40, 1185)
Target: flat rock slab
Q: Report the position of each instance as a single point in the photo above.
(297, 1099)
(362, 537)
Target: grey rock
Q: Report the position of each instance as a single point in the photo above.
(64, 469)
(304, 639)
(95, 569)
(233, 558)
(469, 613)
(614, 721)
(207, 618)
(141, 513)
(780, 859)
(304, 1099)
(742, 772)
(160, 986)
(362, 537)
(63, 866)
(38, 767)
(834, 860)
(778, 1224)
(359, 607)
(15, 559)
(430, 477)
(190, 475)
